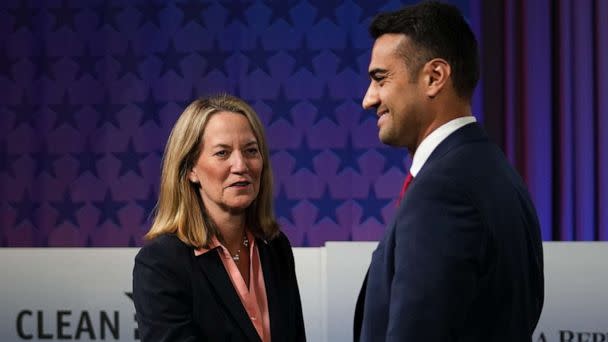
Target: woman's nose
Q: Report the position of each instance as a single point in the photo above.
(239, 163)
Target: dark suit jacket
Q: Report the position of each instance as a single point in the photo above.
(462, 259)
(182, 297)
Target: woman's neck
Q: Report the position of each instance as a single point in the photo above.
(231, 227)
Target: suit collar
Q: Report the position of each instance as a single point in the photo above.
(466, 134)
(430, 143)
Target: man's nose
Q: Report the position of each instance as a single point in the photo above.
(370, 100)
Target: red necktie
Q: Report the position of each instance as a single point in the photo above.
(406, 183)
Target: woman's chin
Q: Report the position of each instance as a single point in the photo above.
(239, 206)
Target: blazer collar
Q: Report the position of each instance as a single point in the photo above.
(269, 260)
(212, 267)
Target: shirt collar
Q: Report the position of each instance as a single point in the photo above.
(428, 145)
(214, 243)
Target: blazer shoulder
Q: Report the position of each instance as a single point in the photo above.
(165, 248)
(280, 242)
(278, 246)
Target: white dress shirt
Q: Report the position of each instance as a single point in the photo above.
(428, 145)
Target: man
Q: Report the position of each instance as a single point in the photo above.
(462, 259)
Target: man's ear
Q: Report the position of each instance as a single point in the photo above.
(437, 72)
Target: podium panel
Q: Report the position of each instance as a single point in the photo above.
(84, 294)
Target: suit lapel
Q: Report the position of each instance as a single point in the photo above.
(268, 259)
(212, 267)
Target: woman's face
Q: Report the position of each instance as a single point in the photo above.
(229, 165)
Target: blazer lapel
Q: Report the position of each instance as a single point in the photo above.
(270, 269)
(212, 267)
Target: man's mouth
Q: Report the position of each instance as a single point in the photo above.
(380, 114)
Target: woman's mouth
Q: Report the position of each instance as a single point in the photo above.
(240, 184)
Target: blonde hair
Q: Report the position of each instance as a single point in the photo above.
(180, 209)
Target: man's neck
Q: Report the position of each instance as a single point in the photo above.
(442, 113)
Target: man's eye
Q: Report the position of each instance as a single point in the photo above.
(378, 77)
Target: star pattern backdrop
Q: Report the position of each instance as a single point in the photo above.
(91, 89)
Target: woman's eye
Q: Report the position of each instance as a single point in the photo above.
(222, 153)
(252, 151)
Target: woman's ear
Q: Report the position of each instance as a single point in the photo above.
(193, 177)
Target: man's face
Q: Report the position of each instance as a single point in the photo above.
(396, 96)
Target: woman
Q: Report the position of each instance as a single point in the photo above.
(216, 267)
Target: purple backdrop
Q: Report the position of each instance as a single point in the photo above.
(90, 90)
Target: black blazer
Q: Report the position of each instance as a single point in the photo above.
(462, 259)
(182, 297)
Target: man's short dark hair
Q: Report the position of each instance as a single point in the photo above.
(437, 30)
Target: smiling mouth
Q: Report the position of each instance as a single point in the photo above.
(380, 114)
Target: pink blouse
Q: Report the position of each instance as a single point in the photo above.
(253, 298)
